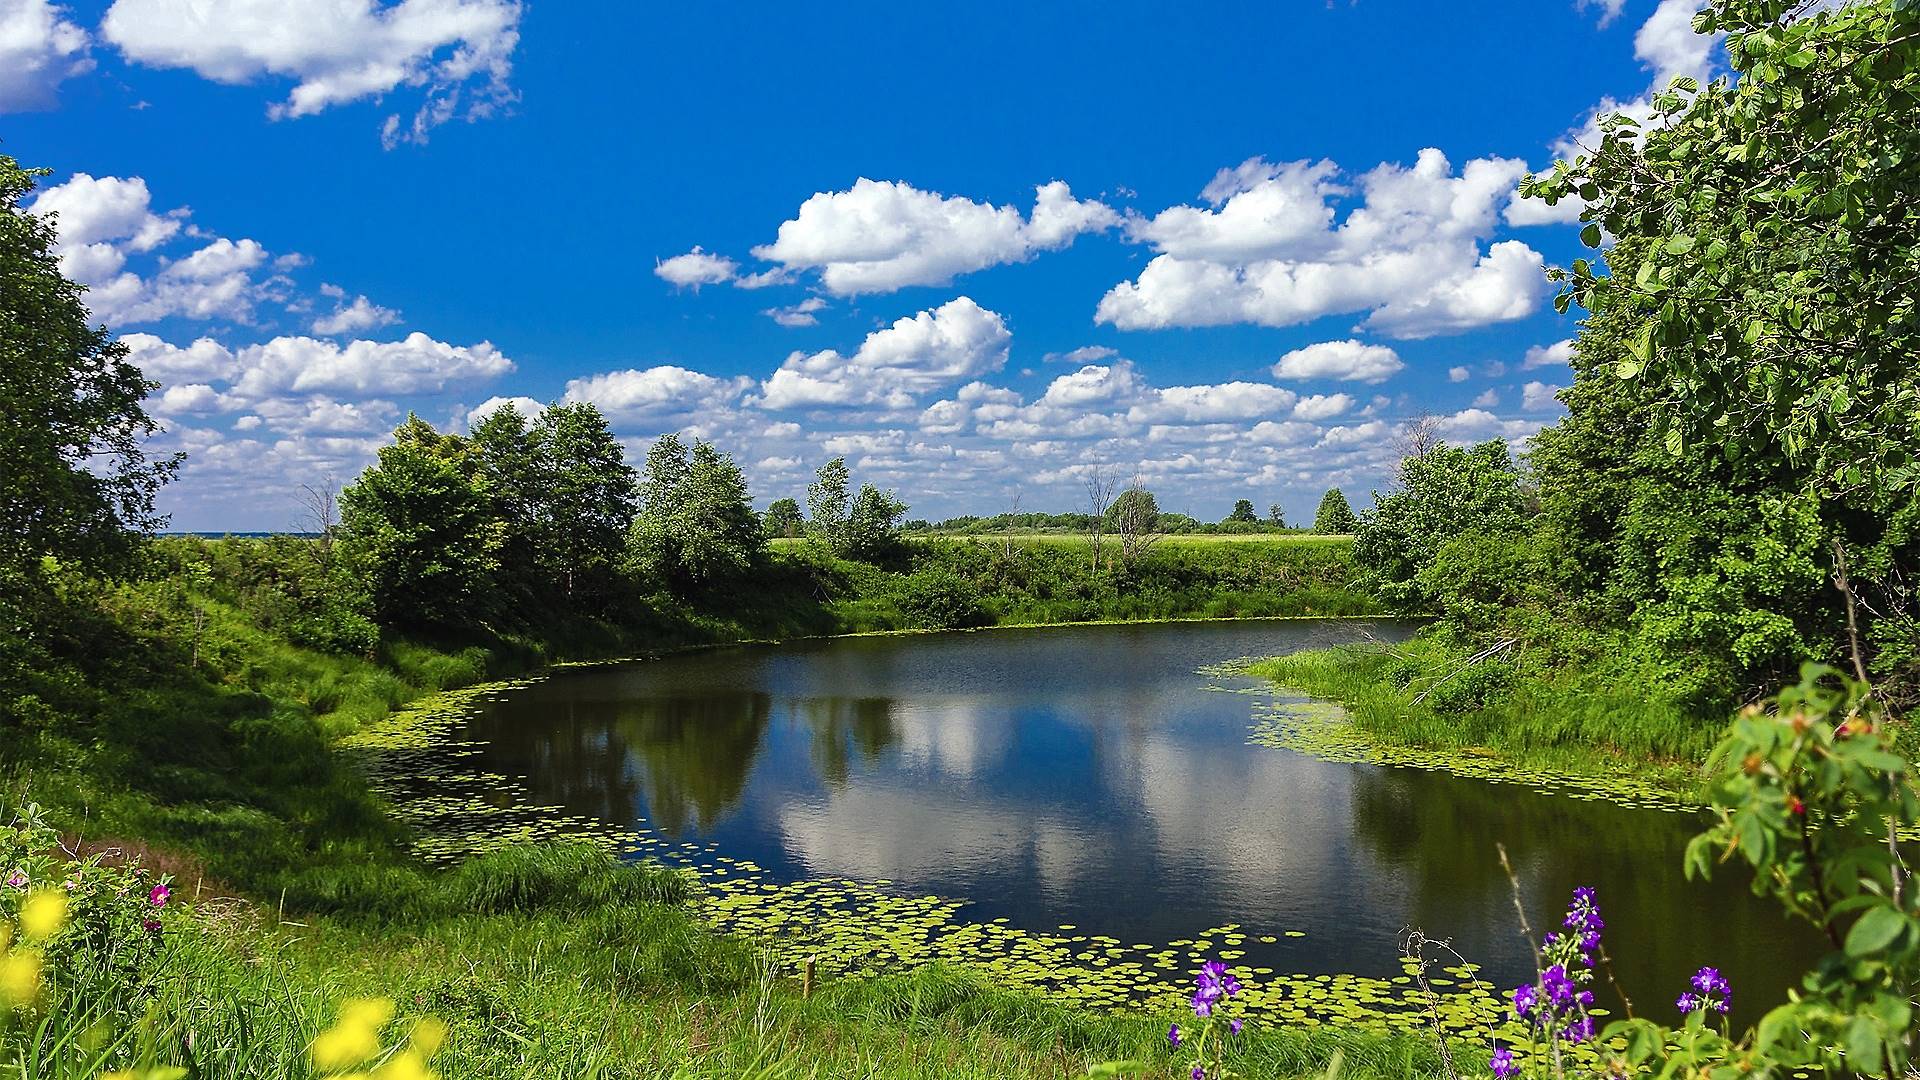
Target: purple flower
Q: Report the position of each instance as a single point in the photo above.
(158, 897)
(1173, 1035)
(1580, 1030)
(1503, 1064)
(1686, 1003)
(1525, 998)
(1234, 1026)
(17, 879)
(1711, 991)
(1198, 1073)
(151, 926)
(1709, 981)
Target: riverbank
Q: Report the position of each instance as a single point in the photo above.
(1417, 702)
(188, 717)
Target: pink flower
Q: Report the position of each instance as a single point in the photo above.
(17, 879)
(151, 926)
(158, 897)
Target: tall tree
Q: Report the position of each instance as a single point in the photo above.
(873, 524)
(590, 494)
(696, 525)
(829, 502)
(507, 463)
(1276, 516)
(783, 519)
(419, 527)
(75, 482)
(1443, 492)
(1243, 513)
(1334, 515)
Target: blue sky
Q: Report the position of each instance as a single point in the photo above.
(978, 251)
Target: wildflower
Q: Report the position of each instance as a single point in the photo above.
(355, 1037)
(44, 913)
(1580, 1030)
(1198, 1073)
(429, 1033)
(17, 879)
(151, 926)
(1525, 998)
(1234, 1026)
(158, 897)
(1503, 1064)
(1173, 1035)
(1710, 992)
(20, 977)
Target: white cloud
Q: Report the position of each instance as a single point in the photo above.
(1667, 45)
(106, 209)
(1213, 404)
(219, 259)
(1085, 354)
(1458, 374)
(696, 268)
(1094, 383)
(1409, 253)
(1557, 354)
(656, 395)
(1350, 361)
(415, 365)
(1322, 406)
(362, 314)
(960, 340)
(457, 53)
(1609, 9)
(38, 49)
(879, 236)
(796, 315)
(1489, 398)
(526, 406)
(1536, 396)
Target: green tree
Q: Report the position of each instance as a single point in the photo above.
(829, 503)
(507, 462)
(873, 525)
(1243, 513)
(1445, 492)
(75, 484)
(419, 528)
(1135, 504)
(1276, 516)
(1774, 219)
(696, 525)
(783, 519)
(589, 496)
(1334, 517)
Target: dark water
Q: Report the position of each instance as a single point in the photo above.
(1087, 776)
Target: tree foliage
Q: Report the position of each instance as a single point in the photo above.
(1442, 493)
(1243, 512)
(783, 519)
(589, 497)
(76, 483)
(1334, 517)
(1775, 216)
(696, 526)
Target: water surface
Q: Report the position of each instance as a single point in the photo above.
(1092, 777)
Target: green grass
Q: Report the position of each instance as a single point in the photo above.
(1568, 722)
(643, 990)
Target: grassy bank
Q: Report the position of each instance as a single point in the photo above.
(1422, 694)
(190, 718)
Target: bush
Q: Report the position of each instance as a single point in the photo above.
(935, 598)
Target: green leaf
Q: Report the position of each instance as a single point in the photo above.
(1875, 931)
(1590, 235)
(1679, 244)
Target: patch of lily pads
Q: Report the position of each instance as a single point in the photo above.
(855, 929)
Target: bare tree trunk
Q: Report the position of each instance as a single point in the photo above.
(1099, 481)
(1138, 526)
(320, 515)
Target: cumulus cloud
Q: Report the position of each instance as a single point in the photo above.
(89, 210)
(1557, 354)
(1666, 47)
(1269, 252)
(1085, 354)
(525, 406)
(416, 364)
(458, 54)
(1458, 373)
(879, 236)
(796, 315)
(39, 48)
(1536, 396)
(958, 341)
(655, 396)
(1349, 360)
(1322, 406)
(361, 314)
(696, 268)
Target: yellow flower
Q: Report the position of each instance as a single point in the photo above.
(429, 1034)
(44, 913)
(344, 1044)
(405, 1066)
(20, 977)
